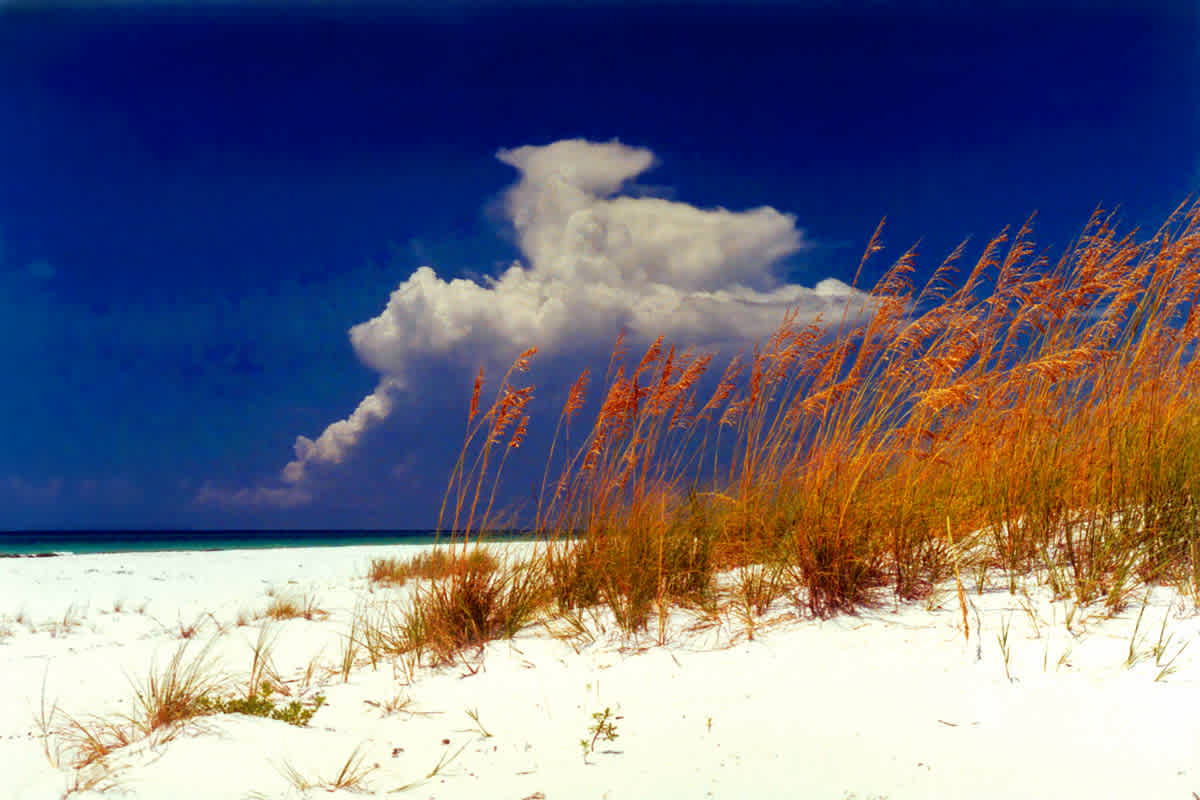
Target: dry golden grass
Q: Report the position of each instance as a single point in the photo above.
(89, 741)
(430, 565)
(167, 698)
(1035, 415)
(351, 776)
(471, 601)
(189, 686)
(303, 606)
(177, 692)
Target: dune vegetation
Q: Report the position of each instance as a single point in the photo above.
(1034, 420)
(1019, 414)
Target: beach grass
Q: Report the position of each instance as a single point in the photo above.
(177, 692)
(1035, 421)
(471, 598)
(1032, 417)
(351, 776)
(191, 685)
(292, 606)
(429, 565)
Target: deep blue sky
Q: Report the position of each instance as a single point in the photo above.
(196, 207)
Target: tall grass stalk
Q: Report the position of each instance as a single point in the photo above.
(177, 692)
(1048, 408)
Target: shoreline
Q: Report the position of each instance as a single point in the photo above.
(45, 544)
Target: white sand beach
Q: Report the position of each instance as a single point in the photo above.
(890, 703)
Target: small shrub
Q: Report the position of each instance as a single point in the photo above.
(260, 704)
(603, 727)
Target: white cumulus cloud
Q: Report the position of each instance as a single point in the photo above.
(342, 436)
(286, 497)
(594, 261)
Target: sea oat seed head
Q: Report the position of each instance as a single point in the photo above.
(475, 396)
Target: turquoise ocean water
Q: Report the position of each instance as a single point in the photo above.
(31, 543)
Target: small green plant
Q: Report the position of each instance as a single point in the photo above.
(1002, 639)
(260, 704)
(603, 728)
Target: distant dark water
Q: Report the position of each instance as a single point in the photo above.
(30, 543)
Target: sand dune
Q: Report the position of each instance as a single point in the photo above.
(891, 703)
